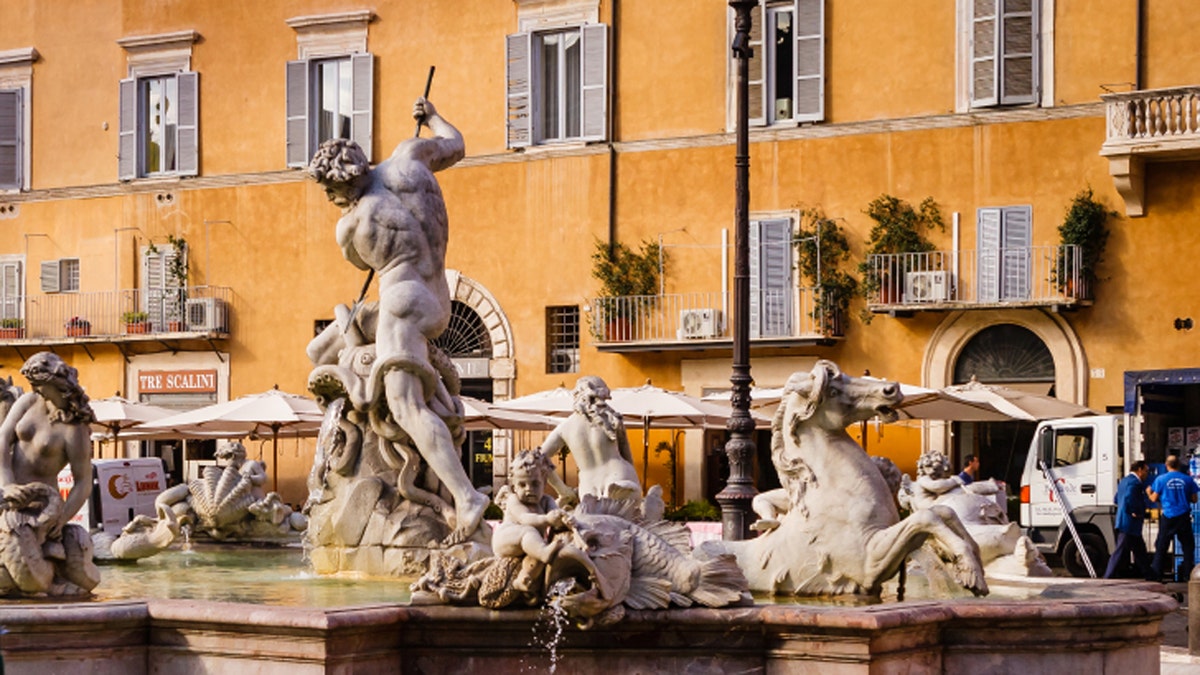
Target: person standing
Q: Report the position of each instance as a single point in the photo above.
(1131, 515)
(970, 472)
(1176, 491)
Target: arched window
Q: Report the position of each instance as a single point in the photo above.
(466, 337)
(1005, 353)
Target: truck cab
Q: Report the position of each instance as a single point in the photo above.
(1084, 457)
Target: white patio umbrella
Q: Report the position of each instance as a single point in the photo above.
(116, 414)
(921, 403)
(480, 415)
(1015, 403)
(271, 411)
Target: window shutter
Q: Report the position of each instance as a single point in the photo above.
(189, 124)
(810, 61)
(756, 80)
(154, 282)
(10, 290)
(10, 139)
(1017, 235)
(984, 65)
(1018, 49)
(298, 135)
(988, 237)
(595, 82)
(770, 278)
(362, 105)
(51, 276)
(127, 164)
(518, 78)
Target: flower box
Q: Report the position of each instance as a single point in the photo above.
(137, 328)
(12, 333)
(79, 331)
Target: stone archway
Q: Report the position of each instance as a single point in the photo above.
(951, 337)
(501, 367)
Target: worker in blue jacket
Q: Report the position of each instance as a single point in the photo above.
(1176, 491)
(1131, 514)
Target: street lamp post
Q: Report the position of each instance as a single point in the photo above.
(739, 489)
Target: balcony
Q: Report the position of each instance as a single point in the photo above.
(698, 321)
(1038, 276)
(124, 318)
(1154, 125)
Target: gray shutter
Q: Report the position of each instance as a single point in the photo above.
(154, 282)
(518, 77)
(10, 290)
(127, 164)
(985, 36)
(10, 139)
(362, 87)
(187, 133)
(1018, 51)
(987, 236)
(298, 135)
(771, 278)
(595, 82)
(51, 276)
(1016, 237)
(809, 31)
(757, 77)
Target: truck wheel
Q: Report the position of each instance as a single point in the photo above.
(1093, 545)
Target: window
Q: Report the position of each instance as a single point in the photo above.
(771, 280)
(16, 77)
(1070, 446)
(12, 287)
(1004, 52)
(328, 98)
(787, 71)
(60, 276)
(163, 299)
(562, 339)
(558, 85)
(1005, 264)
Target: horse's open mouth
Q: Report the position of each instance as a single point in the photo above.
(888, 413)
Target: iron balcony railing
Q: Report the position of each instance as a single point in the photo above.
(116, 315)
(1030, 276)
(693, 318)
(1155, 120)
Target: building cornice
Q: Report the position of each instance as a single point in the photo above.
(182, 39)
(22, 56)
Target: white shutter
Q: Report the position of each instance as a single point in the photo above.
(10, 290)
(988, 240)
(985, 36)
(595, 82)
(10, 139)
(362, 88)
(187, 133)
(756, 79)
(809, 31)
(1015, 262)
(298, 135)
(51, 276)
(127, 145)
(1018, 50)
(518, 78)
(154, 282)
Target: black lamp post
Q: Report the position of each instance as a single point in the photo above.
(739, 490)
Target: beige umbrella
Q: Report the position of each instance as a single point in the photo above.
(116, 414)
(259, 414)
(1015, 403)
(480, 415)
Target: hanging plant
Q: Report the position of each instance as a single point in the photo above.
(898, 229)
(1086, 226)
(821, 249)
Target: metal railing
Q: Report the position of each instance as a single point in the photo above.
(695, 317)
(1160, 115)
(116, 314)
(1035, 275)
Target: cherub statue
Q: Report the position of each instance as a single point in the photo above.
(530, 517)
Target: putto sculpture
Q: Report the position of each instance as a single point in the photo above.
(47, 429)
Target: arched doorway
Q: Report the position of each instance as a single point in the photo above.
(1012, 356)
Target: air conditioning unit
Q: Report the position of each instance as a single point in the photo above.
(699, 323)
(206, 314)
(927, 286)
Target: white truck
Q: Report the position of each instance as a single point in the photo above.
(1086, 457)
(121, 489)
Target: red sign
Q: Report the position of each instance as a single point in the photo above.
(177, 381)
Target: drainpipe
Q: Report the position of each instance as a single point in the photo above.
(612, 128)
(1139, 54)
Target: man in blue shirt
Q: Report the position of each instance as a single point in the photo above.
(1131, 514)
(970, 470)
(1176, 491)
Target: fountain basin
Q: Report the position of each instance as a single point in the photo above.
(1094, 626)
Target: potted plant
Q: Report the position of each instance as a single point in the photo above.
(78, 327)
(821, 249)
(12, 328)
(1083, 235)
(624, 275)
(136, 322)
(898, 229)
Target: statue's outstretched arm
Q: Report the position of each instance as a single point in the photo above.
(445, 148)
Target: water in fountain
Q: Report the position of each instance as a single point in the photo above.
(186, 532)
(552, 621)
